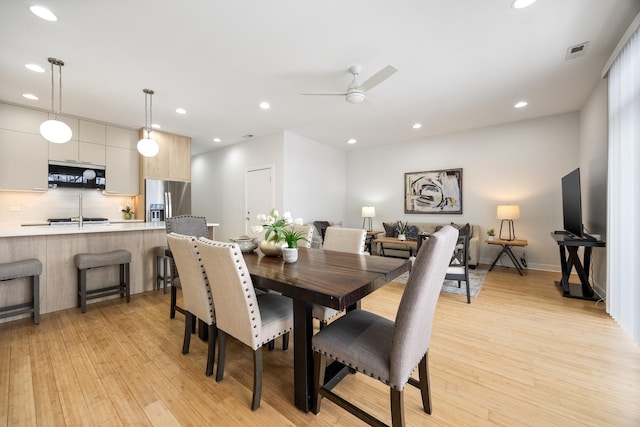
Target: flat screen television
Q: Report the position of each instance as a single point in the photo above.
(572, 204)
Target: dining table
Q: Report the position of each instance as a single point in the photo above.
(338, 280)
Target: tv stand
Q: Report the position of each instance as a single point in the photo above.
(569, 261)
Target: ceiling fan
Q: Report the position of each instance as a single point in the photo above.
(355, 93)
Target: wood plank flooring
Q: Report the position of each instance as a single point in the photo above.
(518, 355)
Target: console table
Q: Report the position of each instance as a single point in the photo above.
(569, 261)
(506, 249)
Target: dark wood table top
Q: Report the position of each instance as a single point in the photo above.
(333, 279)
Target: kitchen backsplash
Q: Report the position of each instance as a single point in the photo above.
(27, 207)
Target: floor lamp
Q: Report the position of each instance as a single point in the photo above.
(368, 212)
(508, 213)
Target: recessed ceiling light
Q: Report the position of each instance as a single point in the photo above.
(521, 4)
(417, 126)
(181, 111)
(30, 96)
(521, 104)
(217, 140)
(155, 126)
(265, 105)
(44, 13)
(34, 67)
(352, 141)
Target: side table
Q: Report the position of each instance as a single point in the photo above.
(506, 249)
(371, 235)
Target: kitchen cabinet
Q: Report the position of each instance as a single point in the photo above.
(87, 145)
(23, 161)
(173, 162)
(21, 119)
(122, 171)
(121, 137)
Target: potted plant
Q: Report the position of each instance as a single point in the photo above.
(402, 229)
(127, 213)
(491, 232)
(277, 235)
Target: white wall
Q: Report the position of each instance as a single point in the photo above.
(315, 179)
(218, 181)
(593, 176)
(518, 163)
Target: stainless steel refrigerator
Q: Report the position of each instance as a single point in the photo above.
(164, 199)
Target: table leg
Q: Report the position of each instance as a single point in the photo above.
(497, 258)
(302, 354)
(513, 259)
(565, 271)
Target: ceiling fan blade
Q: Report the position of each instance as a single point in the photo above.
(378, 78)
(326, 94)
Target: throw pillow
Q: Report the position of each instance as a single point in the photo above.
(390, 228)
(412, 232)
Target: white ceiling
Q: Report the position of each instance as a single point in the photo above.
(461, 64)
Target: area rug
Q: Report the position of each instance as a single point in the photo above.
(476, 280)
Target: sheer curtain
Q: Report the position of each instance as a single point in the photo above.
(623, 212)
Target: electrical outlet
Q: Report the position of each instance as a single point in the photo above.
(15, 209)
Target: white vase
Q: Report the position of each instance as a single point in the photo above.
(402, 237)
(271, 248)
(490, 238)
(290, 254)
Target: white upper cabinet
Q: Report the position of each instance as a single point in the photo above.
(23, 161)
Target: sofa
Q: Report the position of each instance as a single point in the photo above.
(416, 228)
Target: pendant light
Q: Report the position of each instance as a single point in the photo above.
(54, 130)
(147, 146)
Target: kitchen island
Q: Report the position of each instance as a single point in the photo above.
(56, 246)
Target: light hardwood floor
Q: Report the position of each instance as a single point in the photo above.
(520, 354)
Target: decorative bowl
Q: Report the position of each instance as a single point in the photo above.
(246, 243)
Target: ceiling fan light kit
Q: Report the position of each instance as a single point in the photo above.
(54, 130)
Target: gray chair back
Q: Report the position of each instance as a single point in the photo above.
(186, 225)
(414, 320)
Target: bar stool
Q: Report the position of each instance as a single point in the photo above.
(87, 261)
(17, 270)
(162, 260)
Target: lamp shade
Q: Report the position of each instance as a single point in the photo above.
(55, 131)
(148, 147)
(368, 212)
(508, 212)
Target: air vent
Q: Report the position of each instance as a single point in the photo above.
(577, 50)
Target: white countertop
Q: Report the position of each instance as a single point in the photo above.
(16, 230)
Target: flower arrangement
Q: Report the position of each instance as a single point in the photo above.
(491, 232)
(280, 228)
(402, 227)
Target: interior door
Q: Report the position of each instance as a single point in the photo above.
(259, 196)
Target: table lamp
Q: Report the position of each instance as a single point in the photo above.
(368, 212)
(508, 213)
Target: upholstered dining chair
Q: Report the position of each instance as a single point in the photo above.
(254, 321)
(383, 349)
(459, 264)
(187, 225)
(339, 239)
(196, 293)
(307, 230)
(343, 239)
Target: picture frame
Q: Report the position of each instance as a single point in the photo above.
(433, 192)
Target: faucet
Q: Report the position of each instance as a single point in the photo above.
(80, 211)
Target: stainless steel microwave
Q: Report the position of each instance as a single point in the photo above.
(71, 175)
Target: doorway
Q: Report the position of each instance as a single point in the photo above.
(259, 197)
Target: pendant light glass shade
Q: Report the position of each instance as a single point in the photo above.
(54, 130)
(147, 146)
